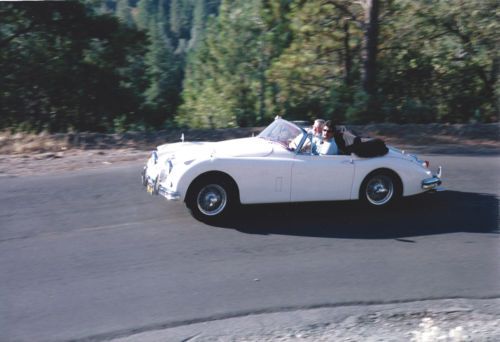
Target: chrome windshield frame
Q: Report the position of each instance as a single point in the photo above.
(306, 135)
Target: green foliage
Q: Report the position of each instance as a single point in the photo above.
(163, 74)
(116, 65)
(63, 67)
(225, 84)
(168, 25)
(439, 61)
(311, 70)
(124, 12)
(180, 18)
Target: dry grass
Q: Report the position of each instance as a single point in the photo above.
(21, 143)
(411, 134)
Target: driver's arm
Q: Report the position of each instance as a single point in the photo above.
(295, 142)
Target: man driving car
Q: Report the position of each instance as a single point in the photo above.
(327, 145)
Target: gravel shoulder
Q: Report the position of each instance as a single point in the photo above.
(429, 320)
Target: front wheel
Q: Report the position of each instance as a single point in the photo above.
(380, 189)
(211, 199)
(144, 178)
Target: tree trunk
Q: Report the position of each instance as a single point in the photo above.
(347, 55)
(262, 84)
(370, 44)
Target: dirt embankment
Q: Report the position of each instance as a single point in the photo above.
(22, 154)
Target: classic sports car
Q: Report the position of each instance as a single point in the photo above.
(278, 165)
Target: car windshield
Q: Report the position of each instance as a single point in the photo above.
(282, 132)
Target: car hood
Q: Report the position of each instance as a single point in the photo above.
(244, 147)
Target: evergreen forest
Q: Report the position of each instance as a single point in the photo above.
(121, 65)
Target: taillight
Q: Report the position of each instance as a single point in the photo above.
(426, 163)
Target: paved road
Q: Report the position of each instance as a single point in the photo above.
(90, 255)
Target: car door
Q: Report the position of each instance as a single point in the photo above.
(321, 177)
(261, 180)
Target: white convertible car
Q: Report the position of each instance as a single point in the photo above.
(278, 165)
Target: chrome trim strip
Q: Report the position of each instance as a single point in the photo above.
(302, 142)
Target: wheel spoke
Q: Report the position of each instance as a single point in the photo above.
(212, 199)
(379, 190)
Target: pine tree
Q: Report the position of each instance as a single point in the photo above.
(123, 12)
(223, 78)
(146, 11)
(198, 26)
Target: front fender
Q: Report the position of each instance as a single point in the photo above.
(183, 174)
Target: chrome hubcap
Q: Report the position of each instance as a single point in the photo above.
(212, 199)
(379, 190)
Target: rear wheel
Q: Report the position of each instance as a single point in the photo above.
(380, 189)
(212, 198)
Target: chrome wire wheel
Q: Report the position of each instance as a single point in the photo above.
(379, 190)
(211, 199)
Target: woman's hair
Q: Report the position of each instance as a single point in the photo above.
(330, 125)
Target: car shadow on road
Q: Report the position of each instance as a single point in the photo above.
(427, 214)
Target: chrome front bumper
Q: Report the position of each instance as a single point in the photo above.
(153, 188)
(169, 194)
(162, 191)
(434, 181)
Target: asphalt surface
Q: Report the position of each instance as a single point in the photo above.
(90, 256)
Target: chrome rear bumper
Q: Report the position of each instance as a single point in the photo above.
(434, 181)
